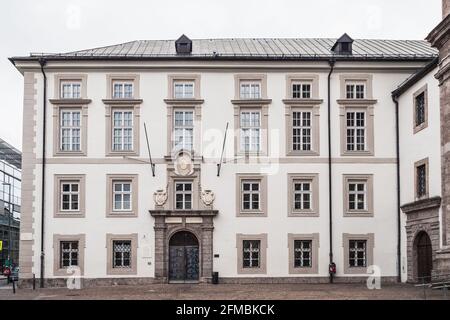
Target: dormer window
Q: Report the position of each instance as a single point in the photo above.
(301, 90)
(70, 90)
(122, 89)
(343, 45)
(183, 45)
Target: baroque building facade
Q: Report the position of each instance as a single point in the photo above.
(265, 160)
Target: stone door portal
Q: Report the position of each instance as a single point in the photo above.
(424, 257)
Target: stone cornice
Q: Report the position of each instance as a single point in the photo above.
(419, 205)
(244, 102)
(70, 101)
(440, 34)
(353, 102)
(302, 102)
(122, 101)
(183, 213)
(183, 102)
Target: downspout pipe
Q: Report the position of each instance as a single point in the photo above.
(397, 150)
(43, 62)
(331, 62)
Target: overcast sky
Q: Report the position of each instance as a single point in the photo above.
(65, 25)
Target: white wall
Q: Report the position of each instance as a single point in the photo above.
(217, 89)
(418, 146)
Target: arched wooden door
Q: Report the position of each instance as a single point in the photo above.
(424, 256)
(183, 257)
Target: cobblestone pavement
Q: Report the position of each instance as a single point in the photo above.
(227, 291)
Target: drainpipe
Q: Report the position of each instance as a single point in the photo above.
(330, 194)
(397, 150)
(42, 62)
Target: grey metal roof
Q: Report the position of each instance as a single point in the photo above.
(263, 48)
(10, 154)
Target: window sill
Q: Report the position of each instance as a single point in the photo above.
(420, 127)
(302, 102)
(303, 214)
(69, 154)
(309, 153)
(355, 270)
(353, 102)
(251, 102)
(120, 214)
(121, 271)
(122, 153)
(303, 270)
(184, 101)
(358, 153)
(252, 214)
(122, 101)
(251, 271)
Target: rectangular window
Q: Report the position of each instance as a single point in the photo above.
(301, 90)
(421, 172)
(122, 138)
(357, 253)
(70, 130)
(357, 194)
(356, 131)
(183, 90)
(70, 196)
(302, 195)
(301, 131)
(68, 254)
(420, 109)
(121, 254)
(251, 253)
(251, 195)
(250, 90)
(355, 91)
(70, 90)
(183, 195)
(122, 90)
(183, 130)
(122, 195)
(250, 131)
(302, 253)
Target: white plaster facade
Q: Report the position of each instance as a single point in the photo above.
(217, 90)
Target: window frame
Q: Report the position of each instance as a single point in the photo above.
(355, 84)
(183, 193)
(122, 193)
(367, 179)
(313, 179)
(111, 179)
(184, 127)
(303, 78)
(71, 178)
(264, 115)
(250, 78)
(174, 78)
(262, 180)
(251, 128)
(110, 238)
(57, 133)
(370, 245)
(369, 130)
(71, 83)
(315, 245)
(314, 127)
(71, 250)
(122, 84)
(123, 128)
(357, 79)
(252, 85)
(123, 258)
(184, 83)
(71, 127)
(262, 238)
(302, 84)
(57, 239)
(111, 79)
(423, 90)
(417, 164)
(59, 79)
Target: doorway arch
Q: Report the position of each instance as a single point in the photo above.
(424, 256)
(183, 257)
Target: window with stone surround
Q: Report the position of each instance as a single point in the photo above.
(355, 90)
(68, 251)
(121, 254)
(70, 130)
(122, 195)
(183, 195)
(357, 254)
(122, 130)
(251, 254)
(303, 253)
(357, 130)
(251, 195)
(250, 90)
(301, 90)
(183, 89)
(358, 195)
(303, 194)
(70, 89)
